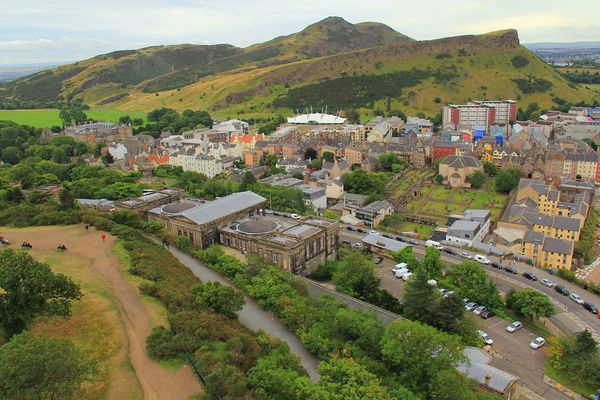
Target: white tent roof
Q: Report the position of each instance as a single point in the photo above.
(316, 118)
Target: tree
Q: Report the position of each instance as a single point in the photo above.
(65, 116)
(530, 303)
(407, 256)
(12, 155)
(489, 168)
(363, 182)
(476, 179)
(328, 156)
(38, 367)
(221, 299)
(14, 195)
(247, 181)
(473, 282)
(310, 154)
(420, 299)
(67, 199)
(356, 276)
(387, 160)
(419, 354)
(507, 180)
(353, 116)
(30, 289)
(432, 263)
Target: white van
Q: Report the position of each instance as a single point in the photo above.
(481, 259)
(433, 243)
(400, 269)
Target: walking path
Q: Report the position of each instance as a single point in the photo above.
(253, 316)
(156, 381)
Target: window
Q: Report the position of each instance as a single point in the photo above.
(275, 257)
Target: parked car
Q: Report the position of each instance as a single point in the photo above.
(514, 326)
(385, 235)
(360, 230)
(470, 306)
(449, 293)
(295, 216)
(486, 338)
(442, 291)
(400, 239)
(496, 265)
(481, 259)
(537, 343)
(529, 276)
(349, 228)
(374, 232)
(478, 310)
(485, 314)
(399, 266)
(407, 276)
(466, 255)
(562, 290)
(511, 270)
(466, 300)
(433, 243)
(547, 282)
(590, 307)
(399, 272)
(432, 282)
(576, 298)
(378, 260)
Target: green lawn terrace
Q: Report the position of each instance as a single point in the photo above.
(435, 202)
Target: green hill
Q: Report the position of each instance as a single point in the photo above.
(331, 63)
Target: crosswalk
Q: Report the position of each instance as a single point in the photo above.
(583, 325)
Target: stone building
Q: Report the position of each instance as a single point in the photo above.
(297, 246)
(200, 220)
(97, 132)
(456, 169)
(150, 199)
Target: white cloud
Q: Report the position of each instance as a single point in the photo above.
(39, 30)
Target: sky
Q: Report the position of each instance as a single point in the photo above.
(34, 31)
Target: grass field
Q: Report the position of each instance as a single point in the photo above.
(557, 376)
(49, 117)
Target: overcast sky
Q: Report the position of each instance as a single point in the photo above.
(34, 31)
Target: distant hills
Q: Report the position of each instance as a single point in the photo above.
(16, 71)
(330, 63)
(562, 45)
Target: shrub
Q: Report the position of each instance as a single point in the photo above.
(519, 61)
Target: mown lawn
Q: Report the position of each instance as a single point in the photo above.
(48, 117)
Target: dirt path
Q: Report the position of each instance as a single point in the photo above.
(156, 381)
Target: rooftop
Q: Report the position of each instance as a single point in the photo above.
(384, 243)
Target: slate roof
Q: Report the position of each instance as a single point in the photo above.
(461, 162)
(384, 243)
(477, 367)
(560, 246)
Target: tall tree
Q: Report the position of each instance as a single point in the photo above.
(38, 367)
(420, 299)
(356, 276)
(30, 289)
(474, 283)
(221, 299)
(432, 263)
(419, 354)
(530, 303)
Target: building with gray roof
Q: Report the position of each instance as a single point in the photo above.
(477, 367)
(200, 220)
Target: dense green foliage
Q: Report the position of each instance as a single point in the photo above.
(390, 162)
(583, 77)
(364, 182)
(473, 282)
(532, 85)
(167, 119)
(29, 289)
(519, 61)
(358, 91)
(508, 179)
(530, 303)
(221, 299)
(38, 367)
(477, 179)
(585, 247)
(577, 357)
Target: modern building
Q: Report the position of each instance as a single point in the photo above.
(373, 213)
(479, 113)
(470, 227)
(296, 246)
(201, 220)
(316, 119)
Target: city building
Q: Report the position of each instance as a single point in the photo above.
(479, 113)
(97, 132)
(373, 213)
(456, 169)
(201, 220)
(150, 199)
(296, 246)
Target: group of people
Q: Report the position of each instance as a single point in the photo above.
(3, 240)
(27, 245)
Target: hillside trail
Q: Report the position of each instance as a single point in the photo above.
(157, 382)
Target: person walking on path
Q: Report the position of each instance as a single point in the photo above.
(597, 396)
(87, 228)
(103, 237)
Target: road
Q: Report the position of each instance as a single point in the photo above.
(570, 316)
(253, 316)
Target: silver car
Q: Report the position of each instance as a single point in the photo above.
(514, 326)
